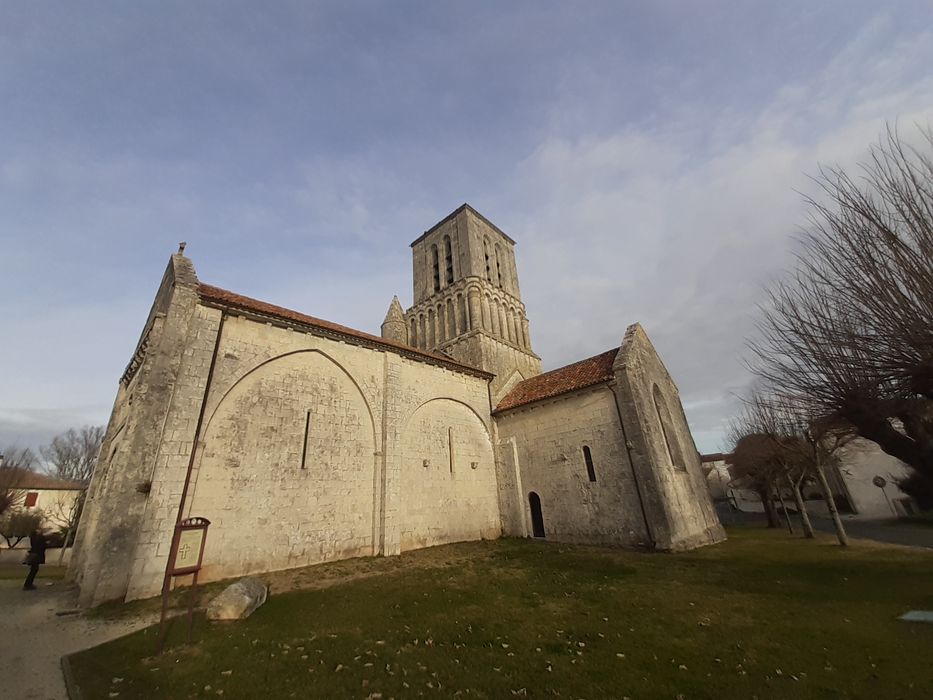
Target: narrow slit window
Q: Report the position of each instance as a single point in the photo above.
(450, 448)
(304, 446)
(437, 269)
(449, 259)
(588, 458)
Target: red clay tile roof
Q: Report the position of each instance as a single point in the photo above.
(716, 457)
(34, 481)
(579, 375)
(216, 295)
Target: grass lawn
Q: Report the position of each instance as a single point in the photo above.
(763, 615)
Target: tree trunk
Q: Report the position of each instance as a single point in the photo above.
(790, 526)
(61, 554)
(768, 505)
(831, 504)
(801, 508)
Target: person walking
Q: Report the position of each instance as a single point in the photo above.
(35, 558)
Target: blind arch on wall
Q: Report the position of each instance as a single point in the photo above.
(665, 420)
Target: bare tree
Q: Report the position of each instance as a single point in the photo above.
(850, 333)
(72, 455)
(752, 464)
(772, 419)
(810, 444)
(15, 463)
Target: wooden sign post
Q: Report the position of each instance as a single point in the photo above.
(184, 558)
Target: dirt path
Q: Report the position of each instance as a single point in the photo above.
(33, 638)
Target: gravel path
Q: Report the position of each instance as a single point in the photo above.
(33, 638)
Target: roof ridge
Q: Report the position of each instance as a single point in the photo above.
(572, 364)
(576, 375)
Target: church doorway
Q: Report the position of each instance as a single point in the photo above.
(537, 519)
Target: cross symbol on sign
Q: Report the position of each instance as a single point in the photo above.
(184, 551)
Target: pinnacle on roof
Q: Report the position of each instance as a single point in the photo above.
(395, 312)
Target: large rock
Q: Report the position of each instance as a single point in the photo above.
(238, 600)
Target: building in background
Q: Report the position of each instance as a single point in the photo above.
(864, 485)
(53, 498)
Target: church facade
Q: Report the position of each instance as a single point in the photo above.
(304, 441)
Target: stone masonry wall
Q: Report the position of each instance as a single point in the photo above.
(358, 493)
(448, 477)
(147, 396)
(680, 510)
(549, 438)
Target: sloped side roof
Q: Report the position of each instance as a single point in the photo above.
(579, 375)
(26, 479)
(223, 297)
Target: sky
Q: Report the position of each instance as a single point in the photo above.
(650, 159)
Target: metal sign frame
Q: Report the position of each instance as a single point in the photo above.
(188, 525)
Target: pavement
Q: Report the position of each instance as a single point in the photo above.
(33, 638)
(880, 531)
(876, 530)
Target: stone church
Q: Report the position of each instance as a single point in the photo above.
(305, 441)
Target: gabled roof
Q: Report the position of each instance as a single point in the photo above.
(225, 298)
(455, 212)
(34, 481)
(579, 375)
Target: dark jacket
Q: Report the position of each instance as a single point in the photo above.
(37, 546)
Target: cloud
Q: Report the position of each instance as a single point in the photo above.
(632, 225)
(645, 161)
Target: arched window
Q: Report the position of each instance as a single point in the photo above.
(437, 269)
(486, 255)
(413, 337)
(498, 265)
(588, 458)
(667, 430)
(451, 319)
(464, 315)
(441, 324)
(537, 517)
(449, 259)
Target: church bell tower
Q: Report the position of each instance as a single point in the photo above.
(467, 302)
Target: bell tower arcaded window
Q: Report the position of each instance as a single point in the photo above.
(449, 260)
(466, 298)
(486, 256)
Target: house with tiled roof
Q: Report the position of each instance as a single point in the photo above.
(302, 440)
(52, 498)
